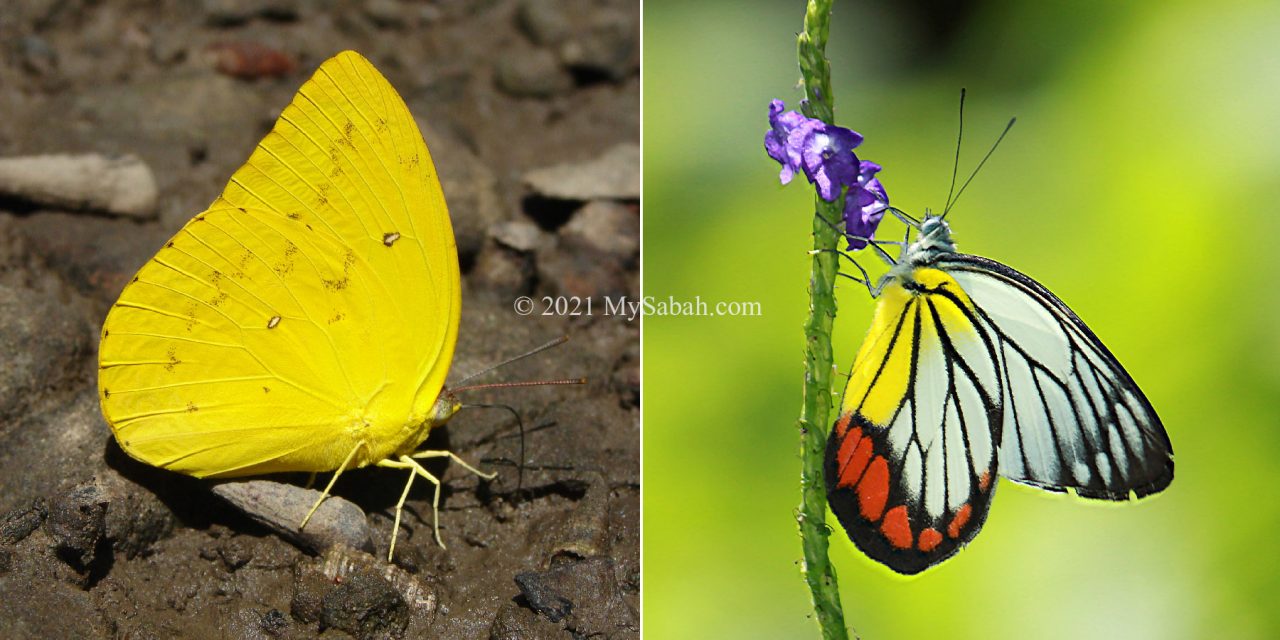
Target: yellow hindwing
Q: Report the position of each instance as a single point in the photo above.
(310, 311)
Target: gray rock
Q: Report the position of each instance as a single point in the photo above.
(136, 519)
(613, 175)
(77, 522)
(359, 594)
(366, 606)
(544, 21)
(281, 507)
(608, 227)
(531, 74)
(519, 235)
(582, 596)
(608, 45)
(86, 182)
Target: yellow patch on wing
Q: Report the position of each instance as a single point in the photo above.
(874, 390)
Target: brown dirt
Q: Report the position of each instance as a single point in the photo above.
(94, 544)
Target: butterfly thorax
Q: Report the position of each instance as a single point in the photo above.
(419, 427)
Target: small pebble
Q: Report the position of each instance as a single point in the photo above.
(608, 47)
(606, 226)
(544, 21)
(89, 182)
(614, 175)
(532, 74)
(519, 235)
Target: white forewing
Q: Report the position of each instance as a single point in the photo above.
(1073, 418)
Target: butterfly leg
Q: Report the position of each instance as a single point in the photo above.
(405, 462)
(395, 529)
(455, 458)
(332, 480)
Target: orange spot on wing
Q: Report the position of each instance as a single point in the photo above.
(929, 539)
(896, 527)
(958, 522)
(857, 459)
(842, 424)
(984, 482)
(873, 491)
(846, 447)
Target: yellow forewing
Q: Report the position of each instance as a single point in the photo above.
(313, 308)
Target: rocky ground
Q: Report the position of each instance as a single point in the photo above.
(531, 111)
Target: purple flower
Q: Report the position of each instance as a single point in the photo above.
(864, 205)
(828, 159)
(787, 131)
(824, 153)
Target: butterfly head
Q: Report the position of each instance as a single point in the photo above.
(445, 406)
(934, 238)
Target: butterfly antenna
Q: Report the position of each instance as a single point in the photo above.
(520, 423)
(955, 165)
(952, 203)
(554, 343)
(510, 385)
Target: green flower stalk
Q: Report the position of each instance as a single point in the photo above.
(850, 202)
(815, 414)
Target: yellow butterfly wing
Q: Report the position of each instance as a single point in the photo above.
(311, 311)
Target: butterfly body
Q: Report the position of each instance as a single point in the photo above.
(972, 370)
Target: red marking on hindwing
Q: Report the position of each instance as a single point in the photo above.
(984, 482)
(873, 491)
(960, 519)
(929, 539)
(843, 424)
(856, 459)
(897, 528)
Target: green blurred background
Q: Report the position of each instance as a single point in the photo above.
(1140, 184)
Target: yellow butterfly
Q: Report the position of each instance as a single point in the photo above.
(306, 320)
(972, 370)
